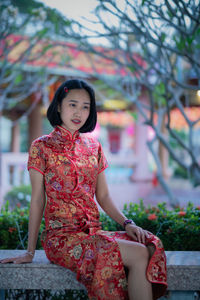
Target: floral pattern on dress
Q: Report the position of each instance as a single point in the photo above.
(73, 237)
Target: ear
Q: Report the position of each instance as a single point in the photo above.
(59, 110)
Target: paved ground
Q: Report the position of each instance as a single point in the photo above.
(124, 191)
(183, 195)
(127, 192)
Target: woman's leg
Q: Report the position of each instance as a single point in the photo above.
(135, 257)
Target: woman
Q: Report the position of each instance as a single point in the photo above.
(68, 167)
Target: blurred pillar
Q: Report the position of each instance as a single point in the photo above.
(141, 171)
(15, 138)
(34, 124)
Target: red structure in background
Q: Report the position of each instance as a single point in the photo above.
(65, 56)
(114, 138)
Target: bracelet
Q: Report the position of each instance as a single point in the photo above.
(30, 253)
(127, 221)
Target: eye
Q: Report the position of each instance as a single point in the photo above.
(86, 107)
(72, 104)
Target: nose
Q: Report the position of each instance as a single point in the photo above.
(77, 112)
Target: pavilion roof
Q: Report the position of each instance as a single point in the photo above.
(64, 58)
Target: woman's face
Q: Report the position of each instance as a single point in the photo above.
(75, 109)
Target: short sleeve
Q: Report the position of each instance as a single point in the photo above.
(102, 161)
(36, 159)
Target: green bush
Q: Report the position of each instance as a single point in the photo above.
(179, 229)
(46, 294)
(180, 172)
(19, 194)
(14, 227)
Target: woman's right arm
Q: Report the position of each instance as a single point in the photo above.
(35, 217)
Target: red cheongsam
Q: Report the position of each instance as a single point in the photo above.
(73, 237)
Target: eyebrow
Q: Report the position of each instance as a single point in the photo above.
(75, 101)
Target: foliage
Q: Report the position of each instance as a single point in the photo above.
(51, 20)
(19, 195)
(14, 228)
(182, 134)
(25, 26)
(180, 172)
(179, 229)
(46, 294)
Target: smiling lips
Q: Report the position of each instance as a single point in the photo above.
(76, 121)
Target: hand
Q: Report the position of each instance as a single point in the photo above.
(137, 233)
(21, 259)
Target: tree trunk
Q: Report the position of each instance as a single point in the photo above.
(163, 154)
(15, 138)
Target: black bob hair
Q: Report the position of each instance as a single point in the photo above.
(54, 116)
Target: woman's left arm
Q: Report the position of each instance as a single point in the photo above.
(106, 203)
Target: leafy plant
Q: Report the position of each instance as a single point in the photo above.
(46, 294)
(19, 195)
(180, 172)
(14, 228)
(179, 229)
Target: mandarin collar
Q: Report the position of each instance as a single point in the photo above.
(65, 135)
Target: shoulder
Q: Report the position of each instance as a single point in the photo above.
(40, 144)
(41, 140)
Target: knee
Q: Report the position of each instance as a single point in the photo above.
(141, 258)
(143, 254)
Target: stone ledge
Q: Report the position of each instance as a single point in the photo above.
(183, 268)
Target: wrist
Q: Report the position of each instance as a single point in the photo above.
(128, 221)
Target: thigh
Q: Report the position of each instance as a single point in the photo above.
(132, 252)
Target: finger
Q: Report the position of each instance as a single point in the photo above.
(133, 236)
(147, 233)
(7, 260)
(138, 235)
(143, 236)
